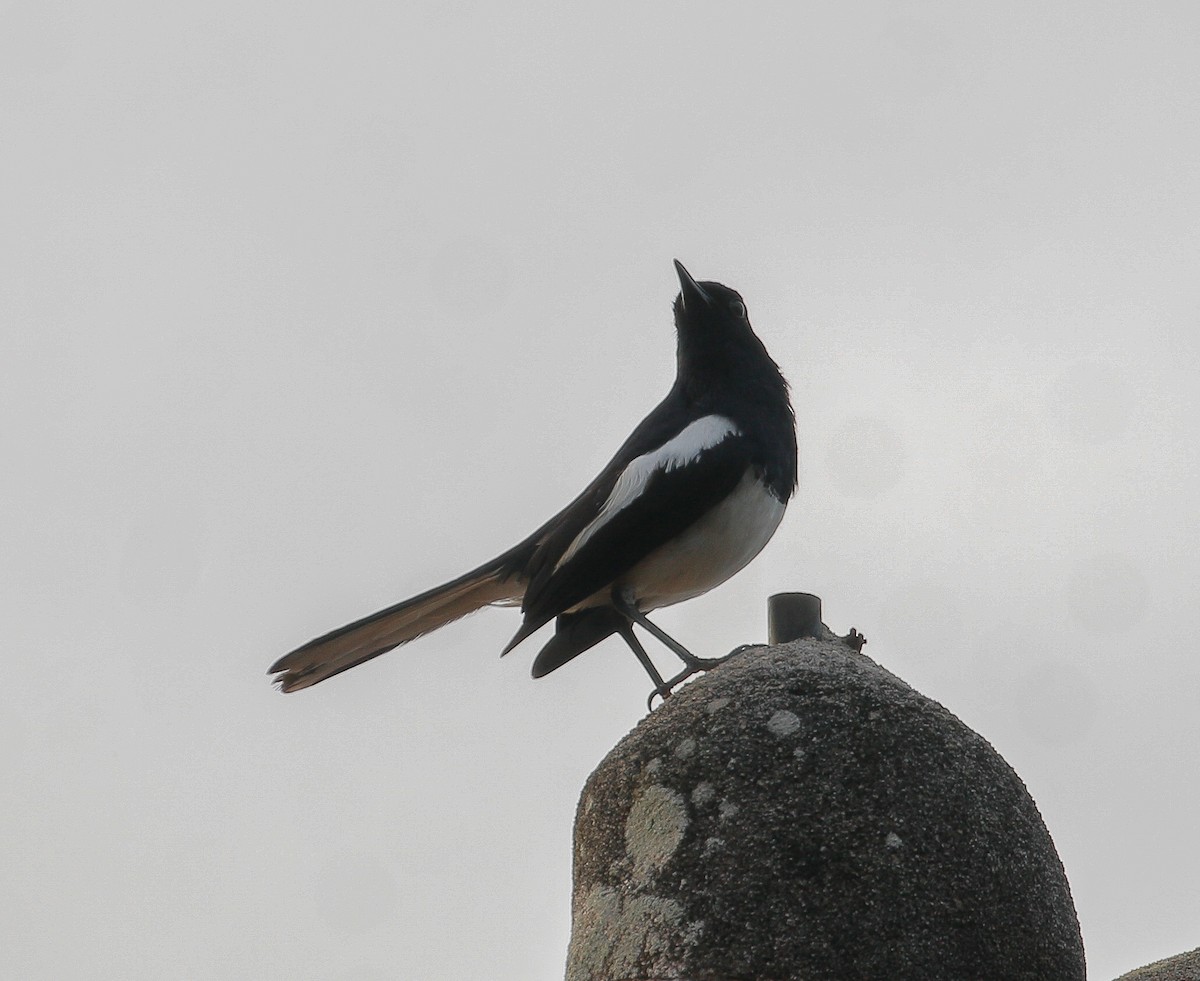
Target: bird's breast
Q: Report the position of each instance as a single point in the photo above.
(719, 544)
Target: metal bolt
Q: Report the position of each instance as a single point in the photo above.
(791, 616)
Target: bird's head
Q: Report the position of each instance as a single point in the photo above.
(716, 348)
(706, 307)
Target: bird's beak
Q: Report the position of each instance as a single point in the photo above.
(692, 293)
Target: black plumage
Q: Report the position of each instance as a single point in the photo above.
(687, 500)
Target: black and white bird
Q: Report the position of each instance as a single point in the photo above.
(693, 495)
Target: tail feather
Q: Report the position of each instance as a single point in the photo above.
(574, 634)
(341, 649)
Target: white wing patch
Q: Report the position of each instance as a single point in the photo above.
(705, 433)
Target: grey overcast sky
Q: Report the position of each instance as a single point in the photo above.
(308, 307)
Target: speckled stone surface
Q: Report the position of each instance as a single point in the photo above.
(1184, 967)
(800, 813)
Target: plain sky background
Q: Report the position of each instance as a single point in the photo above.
(308, 307)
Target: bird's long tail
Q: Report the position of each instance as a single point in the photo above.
(341, 649)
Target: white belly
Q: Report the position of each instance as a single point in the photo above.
(718, 545)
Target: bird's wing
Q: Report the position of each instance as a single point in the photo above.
(637, 507)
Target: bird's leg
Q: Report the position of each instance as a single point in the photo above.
(661, 688)
(692, 664)
(632, 613)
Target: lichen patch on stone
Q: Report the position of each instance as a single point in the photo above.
(685, 748)
(615, 935)
(654, 828)
(783, 723)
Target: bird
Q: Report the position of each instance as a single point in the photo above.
(692, 495)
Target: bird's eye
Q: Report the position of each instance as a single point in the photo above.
(738, 309)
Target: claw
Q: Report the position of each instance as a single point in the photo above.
(699, 663)
(668, 687)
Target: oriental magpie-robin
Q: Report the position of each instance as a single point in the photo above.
(691, 497)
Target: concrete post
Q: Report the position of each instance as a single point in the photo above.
(800, 813)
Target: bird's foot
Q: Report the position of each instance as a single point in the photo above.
(665, 690)
(708, 663)
(664, 693)
(697, 664)
(693, 665)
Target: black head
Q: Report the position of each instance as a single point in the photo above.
(713, 330)
(711, 305)
(722, 367)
